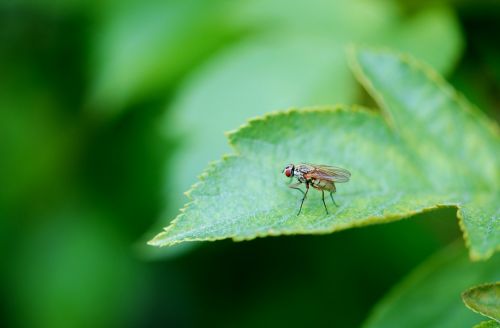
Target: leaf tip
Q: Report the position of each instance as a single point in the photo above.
(157, 240)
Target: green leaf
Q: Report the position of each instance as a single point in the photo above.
(488, 324)
(430, 148)
(484, 299)
(290, 62)
(430, 295)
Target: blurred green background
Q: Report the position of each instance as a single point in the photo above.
(110, 109)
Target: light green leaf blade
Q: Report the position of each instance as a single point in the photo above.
(393, 175)
(430, 295)
(250, 192)
(290, 63)
(484, 299)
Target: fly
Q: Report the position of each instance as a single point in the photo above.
(320, 177)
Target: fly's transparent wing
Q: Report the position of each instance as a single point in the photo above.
(330, 173)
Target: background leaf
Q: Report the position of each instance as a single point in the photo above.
(484, 299)
(430, 295)
(136, 53)
(395, 174)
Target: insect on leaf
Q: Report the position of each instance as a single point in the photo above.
(426, 148)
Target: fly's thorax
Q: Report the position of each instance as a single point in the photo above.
(298, 174)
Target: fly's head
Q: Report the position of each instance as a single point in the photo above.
(289, 170)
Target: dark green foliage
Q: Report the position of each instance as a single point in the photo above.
(108, 111)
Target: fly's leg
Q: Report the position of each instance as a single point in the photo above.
(296, 186)
(303, 198)
(331, 195)
(323, 198)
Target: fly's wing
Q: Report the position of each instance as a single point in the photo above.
(330, 173)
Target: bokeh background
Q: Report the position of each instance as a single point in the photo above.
(110, 109)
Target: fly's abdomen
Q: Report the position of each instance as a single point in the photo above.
(323, 184)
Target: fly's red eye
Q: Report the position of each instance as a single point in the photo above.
(288, 172)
